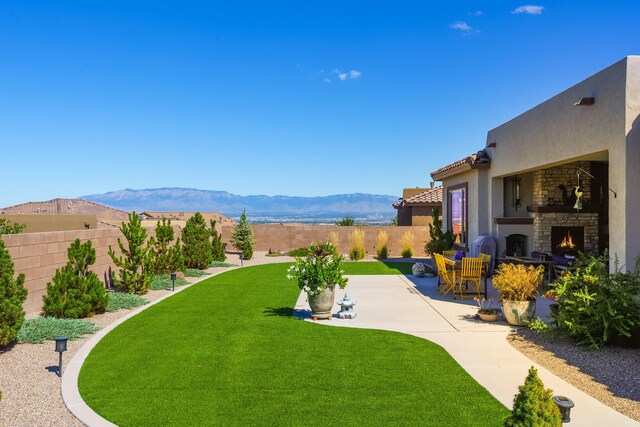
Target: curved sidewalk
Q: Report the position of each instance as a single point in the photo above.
(396, 303)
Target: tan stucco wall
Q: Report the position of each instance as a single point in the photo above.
(421, 215)
(37, 223)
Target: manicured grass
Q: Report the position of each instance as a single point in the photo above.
(377, 267)
(227, 351)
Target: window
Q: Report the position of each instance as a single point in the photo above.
(457, 204)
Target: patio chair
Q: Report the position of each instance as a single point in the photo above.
(471, 272)
(446, 276)
(449, 253)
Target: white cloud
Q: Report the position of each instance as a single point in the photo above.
(461, 26)
(529, 9)
(354, 74)
(326, 80)
(476, 13)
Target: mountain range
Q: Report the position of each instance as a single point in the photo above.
(358, 205)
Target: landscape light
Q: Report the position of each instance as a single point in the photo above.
(173, 281)
(564, 404)
(61, 347)
(241, 260)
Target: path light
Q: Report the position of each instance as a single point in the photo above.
(564, 404)
(173, 281)
(61, 347)
(241, 260)
(346, 308)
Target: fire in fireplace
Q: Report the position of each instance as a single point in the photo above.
(567, 240)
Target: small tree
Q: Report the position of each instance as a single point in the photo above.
(217, 247)
(76, 291)
(196, 246)
(346, 221)
(439, 240)
(533, 406)
(12, 296)
(6, 227)
(134, 275)
(242, 237)
(165, 256)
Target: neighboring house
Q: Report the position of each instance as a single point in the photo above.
(524, 194)
(180, 218)
(416, 205)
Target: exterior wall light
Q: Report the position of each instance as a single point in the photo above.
(585, 102)
(564, 404)
(515, 192)
(173, 281)
(61, 347)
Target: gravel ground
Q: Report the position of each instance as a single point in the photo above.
(611, 374)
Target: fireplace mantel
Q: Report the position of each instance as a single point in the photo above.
(563, 209)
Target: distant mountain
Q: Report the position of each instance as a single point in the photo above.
(188, 199)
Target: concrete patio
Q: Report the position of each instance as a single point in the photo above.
(413, 306)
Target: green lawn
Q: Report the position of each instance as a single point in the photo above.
(228, 352)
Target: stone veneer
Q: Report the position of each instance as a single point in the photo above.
(542, 223)
(546, 181)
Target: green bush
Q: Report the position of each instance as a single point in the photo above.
(346, 221)
(533, 405)
(165, 257)
(195, 238)
(299, 252)
(357, 253)
(383, 252)
(439, 240)
(242, 237)
(407, 252)
(76, 292)
(124, 300)
(12, 296)
(134, 275)
(597, 308)
(163, 281)
(217, 247)
(6, 227)
(41, 329)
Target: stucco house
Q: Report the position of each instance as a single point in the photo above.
(564, 174)
(417, 204)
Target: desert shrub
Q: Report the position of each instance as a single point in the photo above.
(439, 240)
(166, 257)
(299, 252)
(195, 240)
(123, 300)
(242, 237)
(382, 249)
(597, 307)
(346, 221)
(194, 272)
(406, 243)
(76, 291)
(334, 239)
(221, 264)
(356, 238)
(518, 283)
(533, 406)
(134, 275)
(163, 281)
(217, 247)
(12, 296)
(7, 227)
(41, 329)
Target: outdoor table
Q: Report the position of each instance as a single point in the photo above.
(485, 265)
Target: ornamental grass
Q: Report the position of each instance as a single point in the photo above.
(516, 282)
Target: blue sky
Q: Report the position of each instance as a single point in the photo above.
(294, 98)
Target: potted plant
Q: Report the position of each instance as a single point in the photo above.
(485, 312)
(518, 287)
(318, 273)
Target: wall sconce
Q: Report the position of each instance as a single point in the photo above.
(585, 102)
(515, 192)
(61, 347)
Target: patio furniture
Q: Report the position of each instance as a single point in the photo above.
(471, 272)
(446, 276)
(458, 268)
(449, 253)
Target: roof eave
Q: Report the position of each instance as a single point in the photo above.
(439, 176)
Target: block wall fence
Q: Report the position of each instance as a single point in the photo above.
(283, 238)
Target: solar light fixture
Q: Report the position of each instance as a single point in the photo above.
(61, 347)
(173, 281)
(241, 260)
(564, 404)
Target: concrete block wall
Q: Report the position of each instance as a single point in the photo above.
(284, 238)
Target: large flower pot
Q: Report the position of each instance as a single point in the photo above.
(518, 313)
(322, 303)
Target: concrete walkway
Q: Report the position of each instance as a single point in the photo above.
(412, 306)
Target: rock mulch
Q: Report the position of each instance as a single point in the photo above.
(611, 374)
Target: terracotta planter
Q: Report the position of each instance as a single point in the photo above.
(322, 304)
(488, 317)
(518, 313)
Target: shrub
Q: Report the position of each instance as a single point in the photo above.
(195, 238)
(134, 275)
(76, 291)
(439, 240)
(596, 307)
(217, 247)
(299, 252)
(12, 296)
(518, 283)
(194, 272)
(533, 405)
(40, 329)
(221, 264)
(123, 300)
(242, 236)
(163, 281)
(406, 242)
(334, 239)
(346, 221)
(357, 251)
(382, 249)
(6, 227)
(165, 256)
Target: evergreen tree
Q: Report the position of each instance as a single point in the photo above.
(439, 240)
(217, 247)
(533, 405)
(6, 227)
(76, 291)
(242, 236)
(134, 275)
(195, 238)
(12, 296)
(165, 257)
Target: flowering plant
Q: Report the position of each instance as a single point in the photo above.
(485, 306)
(552, 294)
(320, 269)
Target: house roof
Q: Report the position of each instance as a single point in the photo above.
(430, 196)
(183, 216)
(479, 160)
(68, 207)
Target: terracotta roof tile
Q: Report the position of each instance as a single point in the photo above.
(70, 207)
(479, 158)
(430, 196)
